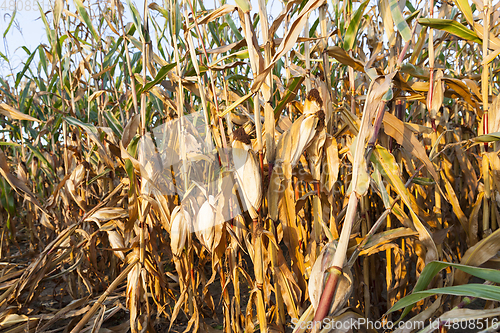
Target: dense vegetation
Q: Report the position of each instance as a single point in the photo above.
(214, 170)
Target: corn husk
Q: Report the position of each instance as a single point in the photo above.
(179, 229)
(116, 241)
(437, 96)
(205, 223)
(301, 134)
(247, 172)
(315, 153)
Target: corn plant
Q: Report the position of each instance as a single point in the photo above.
(201, 169)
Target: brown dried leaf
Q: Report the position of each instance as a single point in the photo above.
(341, 55)
(12, 113)
(404, 136)
(18, 185)
(483, 251)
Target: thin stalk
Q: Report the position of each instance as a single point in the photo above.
(267, 47)
(494, 222)
(236, 285)
(431, 63)
(269, 121)
(259, 282)
(256, 228)
(352, 87)
(487, 193)
(188, 260)
(317, 213)
(63, 106)
(388, 267)
(253, 64)
(485, 70)
(437, 195)
(145, 51)
(434, 136)
(484, 93)
(280, 318)
(182, 148)
(227, 302)
(129, 68)
(226, 98)
(307, 55)
(324, 35)
(366, 266)
(180, 113)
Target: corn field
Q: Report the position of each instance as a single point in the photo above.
(222, 170)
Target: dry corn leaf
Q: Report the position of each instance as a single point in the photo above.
(453, 199)
(473, 219)
(478, 254)
(389, 168)
(18, 185)
(108, 213)
(435, 100)
(399, 131)
(332, 161)
(12, 113)
(341, 55)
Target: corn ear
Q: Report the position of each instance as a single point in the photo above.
(247, 172)
(206, 223)
(179, 229)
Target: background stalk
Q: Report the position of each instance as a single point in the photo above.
(485, 97)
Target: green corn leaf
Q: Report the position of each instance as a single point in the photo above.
(51, 36)
(428, 274)
(487, 292)
(86, 19)
(113, 123)
(10, 23)
(232, 25)
(87, 127)
(423, 181)
(401, 24)
(20, 75)
(159, 77)
(466, 10)
(136, 17)
(491, 137)
(290, 93)
(244, 5)
(352, 30)
(100, 175)
(453, 27)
